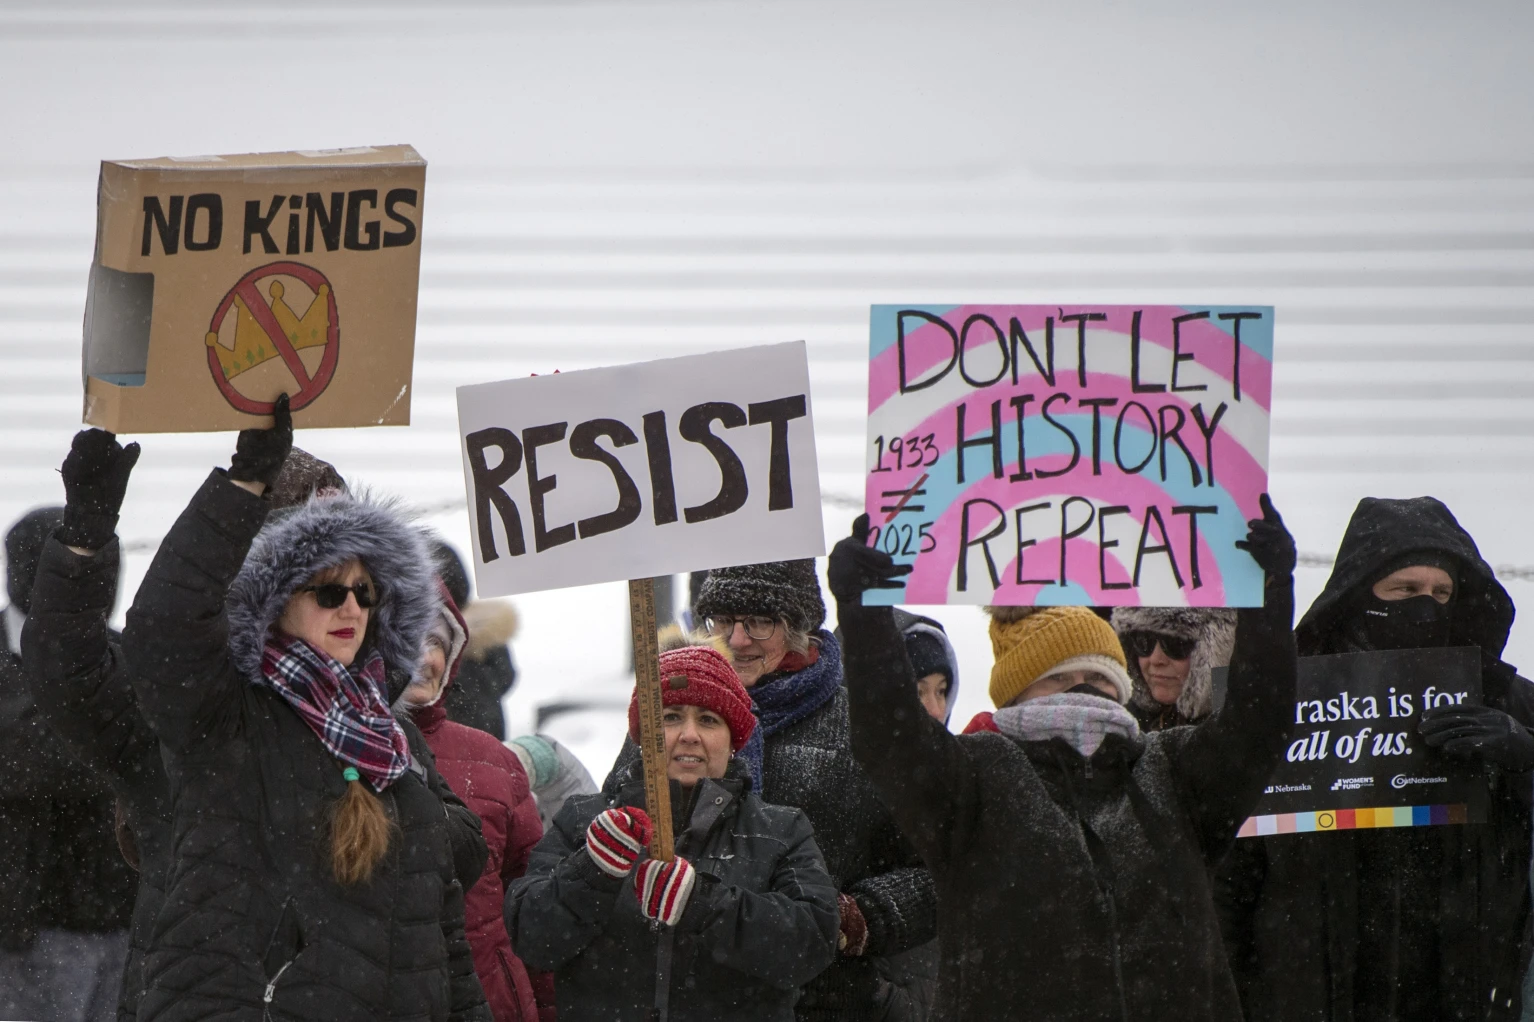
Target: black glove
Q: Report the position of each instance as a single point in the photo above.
(1269, 542)
(259, 453)
(1467, 731)
(855, 567)
(95, 479)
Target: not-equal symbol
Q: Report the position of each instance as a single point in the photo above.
(891, 510)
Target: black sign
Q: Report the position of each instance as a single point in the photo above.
(1354, 741)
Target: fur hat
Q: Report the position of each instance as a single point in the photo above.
(24, 549)
(787, 590)
(322, 533)
(1214, 631)
(700, 676)
(1031, 643)
(491, 623)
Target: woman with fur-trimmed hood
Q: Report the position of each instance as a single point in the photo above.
(317, 853)
(1172, 654)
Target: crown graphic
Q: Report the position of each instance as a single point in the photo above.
(252, 345)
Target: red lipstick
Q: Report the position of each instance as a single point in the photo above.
(344, 633)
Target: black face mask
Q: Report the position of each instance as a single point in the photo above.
(1088, 689)
(1418, 623)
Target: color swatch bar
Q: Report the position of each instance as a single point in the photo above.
(1353, 819)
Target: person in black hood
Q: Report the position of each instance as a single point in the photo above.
(1400, 924)
(66, 896)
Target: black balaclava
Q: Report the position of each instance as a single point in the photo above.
(1417, 623)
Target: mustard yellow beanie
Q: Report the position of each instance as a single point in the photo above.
(1031, 642)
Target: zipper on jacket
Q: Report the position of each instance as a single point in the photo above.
(271, 991)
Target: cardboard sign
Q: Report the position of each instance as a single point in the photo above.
(220, 282)
(1355, 759)
(1099, 455)
(641, 470)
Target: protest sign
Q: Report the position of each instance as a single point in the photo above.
(640, 470)
(1355, 759)
(1100, 455)
(220, 282)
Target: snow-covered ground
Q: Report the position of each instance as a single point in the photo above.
(618, 181)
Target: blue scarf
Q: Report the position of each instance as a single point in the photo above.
(788, 698)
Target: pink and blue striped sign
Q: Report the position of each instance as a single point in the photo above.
(1102, 455)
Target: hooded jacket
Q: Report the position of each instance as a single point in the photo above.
(59, 867)
(915, 624)
(82, 690)
(1214, 631)
(254, 925)
(1302, 913)
(761, 920)
(489, 778)
(1072, 888)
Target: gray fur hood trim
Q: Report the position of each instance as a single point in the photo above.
(1213, 628)
(322, 533)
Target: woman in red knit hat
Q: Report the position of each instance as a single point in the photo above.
(731, 929)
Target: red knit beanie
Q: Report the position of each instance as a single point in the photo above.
(699, 676)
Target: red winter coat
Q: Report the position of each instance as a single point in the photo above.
(489, 777)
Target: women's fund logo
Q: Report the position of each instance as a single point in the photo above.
(258, 345)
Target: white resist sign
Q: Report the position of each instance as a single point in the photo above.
(640, 470)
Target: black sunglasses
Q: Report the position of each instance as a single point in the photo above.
(331, 595)
(1145, 643)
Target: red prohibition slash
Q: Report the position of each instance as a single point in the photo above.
(309, 387)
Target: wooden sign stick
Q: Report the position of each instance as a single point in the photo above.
(652, 727)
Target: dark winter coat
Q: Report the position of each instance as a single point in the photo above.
(761, 921)
(1304, 914)
(1214, 631)
(254, 925)
(809, 765)
(82, 690)
(1072, 888)
(59, 865)
(489, 778)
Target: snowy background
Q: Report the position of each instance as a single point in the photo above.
(614, 182)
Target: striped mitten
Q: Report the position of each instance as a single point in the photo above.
(663, 888)
(617, 838)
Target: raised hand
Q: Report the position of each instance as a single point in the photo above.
(259, 453)
(663, 888)
(1269, 542)
(95, 474)
(617, 838)
(855, 567)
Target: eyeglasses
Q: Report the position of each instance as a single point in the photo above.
(331, 595)
(757, 627)
(1145, 643)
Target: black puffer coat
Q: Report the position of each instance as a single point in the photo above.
(762, 919)
(82, 690)
(1072, 888)
(254, 924)
(809, 765)
(1404, 924)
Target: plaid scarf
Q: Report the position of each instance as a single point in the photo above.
(346, 710)
(1082, 720)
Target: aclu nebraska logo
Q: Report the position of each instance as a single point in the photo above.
(1400, 781)
(1352, 783)
(1279, 789)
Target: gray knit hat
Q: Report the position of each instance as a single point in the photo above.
(787, 590)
